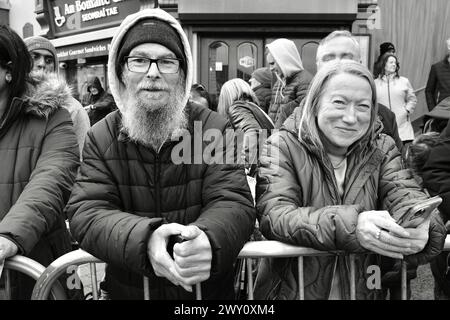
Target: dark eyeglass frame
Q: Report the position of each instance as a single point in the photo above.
(126, 59)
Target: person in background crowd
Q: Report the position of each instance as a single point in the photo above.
(428, 156)
(438, 84)
(39, 156)
(200, 95)
(341, 45)
(97, 102)
(134, 188)
(437, 119)
(44, 58)
(239, 104)
(292, 79)
(385, 47)
(261, 82)
(397, 94)
(338, 184)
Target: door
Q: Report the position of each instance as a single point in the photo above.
(226, 59)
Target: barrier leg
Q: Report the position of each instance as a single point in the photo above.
(146, 288)
(404, 282)
(301, 279)
(7, 284)
(198, 291)
(93, 269)
(249, 278)
(352, 278)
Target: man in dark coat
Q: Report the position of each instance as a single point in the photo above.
(292, 79)
(97, 102)
(438, 84)
(139, 184)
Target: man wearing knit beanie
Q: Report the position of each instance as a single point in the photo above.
(43, 53)
(45, 64)
(142, 188)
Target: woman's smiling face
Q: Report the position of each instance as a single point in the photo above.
(344, 112)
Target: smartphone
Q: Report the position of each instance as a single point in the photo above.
(420, 212)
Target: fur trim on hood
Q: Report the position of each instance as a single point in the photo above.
(286, 55)
(116, 86)
(45, 94)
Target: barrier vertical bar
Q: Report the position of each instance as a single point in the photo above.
(146, 288)
(198, 291)
(248, 263)
(404, 282)
(301, 279)
(352, 277)
(94, 280)
(7, 284)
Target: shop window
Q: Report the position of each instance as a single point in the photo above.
(87, 71)
(218, 68)
(247, 60)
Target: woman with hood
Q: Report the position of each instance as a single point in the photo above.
(337, 184)
(292, 79)
(97, 102)
(39, 157)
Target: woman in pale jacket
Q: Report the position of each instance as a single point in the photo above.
(397, 94)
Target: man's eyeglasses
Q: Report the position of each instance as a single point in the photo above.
(142, 65)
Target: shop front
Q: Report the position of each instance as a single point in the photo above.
(81, 31)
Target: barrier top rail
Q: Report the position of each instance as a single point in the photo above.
(49, 276)
(253, 249)
(33, 270)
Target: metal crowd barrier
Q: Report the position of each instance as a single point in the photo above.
(31, 269)
(251, 250)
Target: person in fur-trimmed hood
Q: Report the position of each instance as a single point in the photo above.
(44, 58)
(132, 194)
(39, 156)
(292, 79)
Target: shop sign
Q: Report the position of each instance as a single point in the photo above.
(247, 62)
(85, 50)
(76, 16)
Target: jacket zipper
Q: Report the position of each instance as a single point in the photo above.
(157, 172)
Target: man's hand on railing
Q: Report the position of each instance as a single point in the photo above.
(163, 265)
(7, 248)
(193, 257)
(377, 231)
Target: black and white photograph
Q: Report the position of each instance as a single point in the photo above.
(213, 156)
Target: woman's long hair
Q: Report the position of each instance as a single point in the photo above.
(233, 90)
(384, 60)
(309, 132)
(16, 59)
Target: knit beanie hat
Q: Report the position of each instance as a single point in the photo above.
(385, 47)
(37, 42)
(262, 75)
(154, 31)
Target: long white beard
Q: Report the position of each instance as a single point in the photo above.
(153, 126)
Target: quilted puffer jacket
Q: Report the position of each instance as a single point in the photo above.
(286, 97)
(39, 157)
(298, 203)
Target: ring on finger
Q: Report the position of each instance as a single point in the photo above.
(378, 234)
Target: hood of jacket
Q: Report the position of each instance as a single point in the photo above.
(286, 55)
(94, 82)
(117, 88)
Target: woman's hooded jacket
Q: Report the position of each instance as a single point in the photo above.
(39, 156)
(298, 203)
